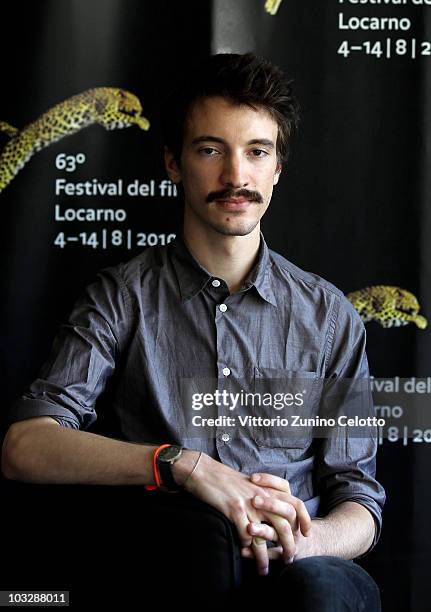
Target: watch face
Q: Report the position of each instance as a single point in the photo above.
(170, 453)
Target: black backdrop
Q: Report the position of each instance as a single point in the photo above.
(352, 203)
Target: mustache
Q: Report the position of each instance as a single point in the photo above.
(253, 196)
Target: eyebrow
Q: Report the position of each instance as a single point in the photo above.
(262, 141)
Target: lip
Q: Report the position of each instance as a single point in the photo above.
(234, 203)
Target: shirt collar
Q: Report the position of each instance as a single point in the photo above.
(192, 277)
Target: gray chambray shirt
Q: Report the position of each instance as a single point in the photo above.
(161, 319)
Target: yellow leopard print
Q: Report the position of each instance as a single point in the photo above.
(389, 306)
(8, 129)
(108, 106)
(271, 6)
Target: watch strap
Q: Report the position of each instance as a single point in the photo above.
(167, 478)
(155, 469)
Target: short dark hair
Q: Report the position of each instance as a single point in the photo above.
(242, 79)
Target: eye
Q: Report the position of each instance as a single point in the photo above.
(208, 151)
(259, 153)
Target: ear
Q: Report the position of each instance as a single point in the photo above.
(171, 166)
(277, 174)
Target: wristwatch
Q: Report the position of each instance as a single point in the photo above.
(166, 457)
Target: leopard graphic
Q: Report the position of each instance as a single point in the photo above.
(109, 107)
(272, 6)
(389, 306)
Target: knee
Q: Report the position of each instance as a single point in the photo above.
(316, 568)
(329, 583)
(317, 573)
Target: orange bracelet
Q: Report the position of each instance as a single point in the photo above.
(156, 471)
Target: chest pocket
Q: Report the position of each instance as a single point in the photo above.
(283, 400)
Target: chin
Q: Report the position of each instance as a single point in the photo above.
(234, 229)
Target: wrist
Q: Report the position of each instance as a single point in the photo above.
(182, 468)
(309, 546)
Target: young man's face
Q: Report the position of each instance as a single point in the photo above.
(228, 166)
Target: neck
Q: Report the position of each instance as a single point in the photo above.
(230, 258)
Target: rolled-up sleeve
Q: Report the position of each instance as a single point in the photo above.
(82, 357)
(345, 463)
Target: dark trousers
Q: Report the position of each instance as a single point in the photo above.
(315, 584)
(120, 546)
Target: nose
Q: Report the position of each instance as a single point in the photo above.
(234, 172)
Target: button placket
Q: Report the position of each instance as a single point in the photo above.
(223, 438)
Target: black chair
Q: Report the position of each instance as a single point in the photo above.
(118, 545)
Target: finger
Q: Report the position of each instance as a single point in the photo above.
(260, 551)
(285, 537)
(302, 516)
(279, 530)
(241, 522)
(276, 506)
(274, 554)
(269, 480)
(283, 519)
(263, 530)
(283, 491)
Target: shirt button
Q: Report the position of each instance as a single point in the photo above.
(215, 283)
(226, 371)
(225, 437)
(223, 307)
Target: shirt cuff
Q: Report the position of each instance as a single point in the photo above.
(27, 408)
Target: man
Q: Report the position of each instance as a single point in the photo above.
(216, 304)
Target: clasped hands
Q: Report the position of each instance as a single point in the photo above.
(280, 518)
(261, 507)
